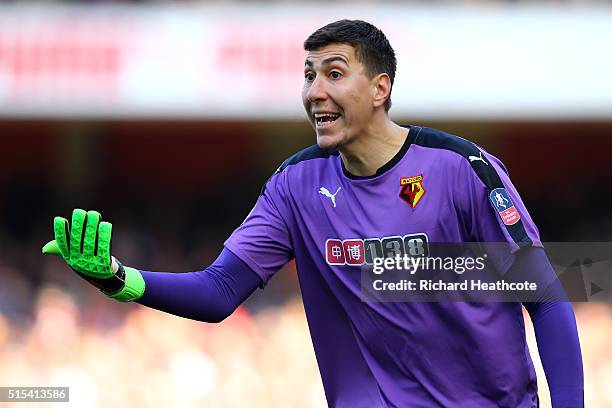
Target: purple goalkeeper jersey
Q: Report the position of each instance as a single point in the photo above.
(438, 188)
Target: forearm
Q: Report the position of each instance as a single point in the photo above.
(209, 295)
(559, 348)
(555, 328)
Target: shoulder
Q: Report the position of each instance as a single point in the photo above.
(302, 164)
(305, 156)
(437, 139)
(468, 154)
(470, 161)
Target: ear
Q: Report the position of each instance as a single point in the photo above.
(382, 89)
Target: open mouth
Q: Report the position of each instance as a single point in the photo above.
(325, 119)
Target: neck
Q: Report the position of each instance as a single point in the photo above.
(373, 148)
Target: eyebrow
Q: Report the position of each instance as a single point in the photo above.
(327, 61)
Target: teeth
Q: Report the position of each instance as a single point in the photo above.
(325, 115)
(322, 118)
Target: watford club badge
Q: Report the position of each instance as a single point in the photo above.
(412, 189)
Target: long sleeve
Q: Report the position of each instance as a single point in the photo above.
(209, 295)
(555, 328)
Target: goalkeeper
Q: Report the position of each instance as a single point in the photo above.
(368, 189)
(213, 294)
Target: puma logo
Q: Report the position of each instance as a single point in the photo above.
(326, 193)
(474, 158)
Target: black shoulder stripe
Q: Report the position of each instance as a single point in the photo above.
(312, 152)
(441, 140)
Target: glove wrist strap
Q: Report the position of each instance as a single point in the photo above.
(133, 285)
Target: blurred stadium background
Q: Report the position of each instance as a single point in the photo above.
(168, 117)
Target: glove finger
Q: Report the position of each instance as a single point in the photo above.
(76, 233)
(90, 234)
(105, 231)
(60, 229)
(52, 248)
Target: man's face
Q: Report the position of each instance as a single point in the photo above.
(338, 95)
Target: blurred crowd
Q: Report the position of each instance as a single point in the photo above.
(116, 355)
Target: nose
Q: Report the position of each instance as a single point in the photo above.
(316, 91)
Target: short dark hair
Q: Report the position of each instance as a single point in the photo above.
(371, 46)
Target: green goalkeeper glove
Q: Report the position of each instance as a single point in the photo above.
(86, 249)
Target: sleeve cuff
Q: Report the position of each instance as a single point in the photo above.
(133, 289)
